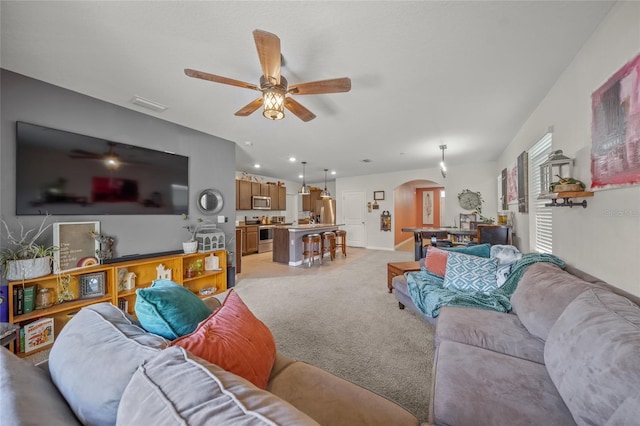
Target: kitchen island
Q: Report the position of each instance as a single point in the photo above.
(287, 241)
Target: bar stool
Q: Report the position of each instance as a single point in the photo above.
(311, 246)
(329, 244)
(341, 240)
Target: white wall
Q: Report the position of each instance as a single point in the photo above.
(476, 177)
(604, 238)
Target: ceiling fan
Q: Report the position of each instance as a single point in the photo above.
(273, 85)
(111, 159)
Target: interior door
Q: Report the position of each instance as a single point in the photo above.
(353, 211)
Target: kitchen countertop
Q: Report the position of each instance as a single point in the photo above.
(309, 226)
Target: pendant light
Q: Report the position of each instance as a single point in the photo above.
(443, 168)
(325, 193)
(304, 189)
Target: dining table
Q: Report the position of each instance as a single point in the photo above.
(420, 233)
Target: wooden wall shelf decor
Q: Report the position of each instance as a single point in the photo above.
(567, 199)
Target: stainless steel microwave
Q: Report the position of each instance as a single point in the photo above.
(260, 203)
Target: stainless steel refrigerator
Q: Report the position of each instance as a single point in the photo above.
(327, 209)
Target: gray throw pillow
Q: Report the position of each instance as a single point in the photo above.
(94, 357)
(177, 387)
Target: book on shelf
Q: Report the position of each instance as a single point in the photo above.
(18, 297)
(29, 299)
(38, 333)
(123, 304)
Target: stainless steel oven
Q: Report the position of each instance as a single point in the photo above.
(265, 238)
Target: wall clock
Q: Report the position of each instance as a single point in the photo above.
(469, 200)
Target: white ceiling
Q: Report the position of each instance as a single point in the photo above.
(464, 74)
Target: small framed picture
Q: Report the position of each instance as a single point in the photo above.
(122, 273)
(378, 195)
(466, 219)
(92, 285)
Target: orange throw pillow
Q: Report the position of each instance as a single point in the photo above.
(436, 261)
(234, 339)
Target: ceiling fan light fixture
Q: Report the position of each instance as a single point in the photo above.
(112, 162)
(273, 104)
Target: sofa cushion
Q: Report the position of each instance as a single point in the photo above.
(28, 397)
(233, 338)
(169, 309)
(481, 250)
(177, 387)
(496, 331)
(593, 353)
(470, 273)
(544, 291)
(474, 386)
(94, 357)
(436, 261)
(330, 400)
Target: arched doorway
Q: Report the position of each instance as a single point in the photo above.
(416, 204)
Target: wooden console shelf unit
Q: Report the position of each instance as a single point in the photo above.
(146, 273)
(567, 199)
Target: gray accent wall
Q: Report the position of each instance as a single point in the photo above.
(211, 159)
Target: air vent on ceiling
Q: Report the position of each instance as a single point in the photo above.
(146, 103)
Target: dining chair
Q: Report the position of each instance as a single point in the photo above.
(494, 234)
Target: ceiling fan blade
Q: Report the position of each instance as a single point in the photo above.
(268, 46)
(334, 85)
(219, 79)
(250, 107)
(301, 112)
(86, 154)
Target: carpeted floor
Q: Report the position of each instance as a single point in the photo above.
(340, 317)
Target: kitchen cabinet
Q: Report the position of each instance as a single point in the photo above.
(282, 198)
(275, 199)
(309, 201)
(250, 240)
(243, 194)
(246, 189)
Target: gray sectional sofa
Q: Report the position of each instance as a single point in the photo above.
(569, 353)
(104, 369)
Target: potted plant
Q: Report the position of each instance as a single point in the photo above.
(190, 246)
(23, 257)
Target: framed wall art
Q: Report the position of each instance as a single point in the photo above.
(76, 246)
(615, 129)
(427, 207)
(512, 184)
(523, 182)
(466, 219)
(378, 195)
(91, 285)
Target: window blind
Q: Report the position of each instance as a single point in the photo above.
(543, 228)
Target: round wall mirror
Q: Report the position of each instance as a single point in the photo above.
(209, 201)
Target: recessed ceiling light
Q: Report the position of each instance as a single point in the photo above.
(146, 103)
(257, 166)
(292, 159)
(333, 172)
(300, 176)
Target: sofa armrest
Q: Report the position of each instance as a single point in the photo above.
(329, 399)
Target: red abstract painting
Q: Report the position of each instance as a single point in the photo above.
(615, 129)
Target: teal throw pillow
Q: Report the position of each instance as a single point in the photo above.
(169, 310)
(470, 273)
(482, 250)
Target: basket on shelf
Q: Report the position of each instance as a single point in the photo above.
(568, 187)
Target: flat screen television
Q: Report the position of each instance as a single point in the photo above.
(64, 173)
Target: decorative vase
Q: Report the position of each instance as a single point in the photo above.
(190, 247)
(25, 269)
